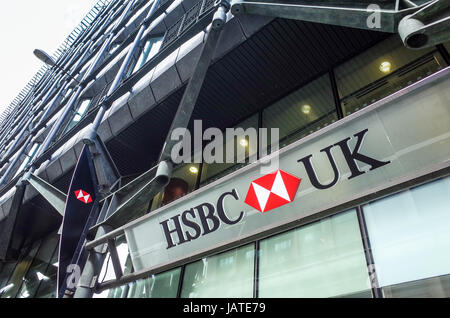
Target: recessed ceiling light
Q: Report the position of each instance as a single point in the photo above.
(193, 169)
(385, 67)
(244, 142)
(306, 109)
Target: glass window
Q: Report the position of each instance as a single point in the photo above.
(151, 48)
(322, 259)
(118, 292)
(36, 274)
(410, 239)
(382, 70)
(47, 287)
(229, 274)
(81, 111)
(68, 92)
(302, 112)
(244, 146)
(164, 285)
(114, 48)
(107, 272)
(12, 287)
(28, 158)
(6, 269)
(447, 46)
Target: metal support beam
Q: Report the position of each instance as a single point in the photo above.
(55, 197)
(133, 198)
(105, 168)
(189, 99)
(419, 26)
(93, 267)
(334, 13)
(115, 258)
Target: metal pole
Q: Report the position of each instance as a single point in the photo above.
(92, 268)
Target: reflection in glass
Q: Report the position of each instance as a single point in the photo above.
(37, 274)
(164, 285)
(11, 288)
(28, 158)
(410, 235)
(322, 259)
(6, 269)
(151, 48)
(229, 274)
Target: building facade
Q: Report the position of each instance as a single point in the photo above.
(354, 203)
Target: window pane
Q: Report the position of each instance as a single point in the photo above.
(225, 275)
(47, 287)
(430, 287)
(245, 146)
(410, 235)
(302, 112)
(29, 156)
(81, 111)
(5, 272)
(151, 48)
(107, 271)
(382, 70)
(164, 285)
(118, 292)
(12, 287)
(36, 273)
(322, 259)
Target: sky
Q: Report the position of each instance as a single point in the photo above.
(29, 24)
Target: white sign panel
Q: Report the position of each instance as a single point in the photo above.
(383, 142)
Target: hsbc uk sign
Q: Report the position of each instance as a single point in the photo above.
(380, 146)
(267, 192)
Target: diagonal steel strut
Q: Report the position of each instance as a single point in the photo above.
(419, 26)
(189, 99)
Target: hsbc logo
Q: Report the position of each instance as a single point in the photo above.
(264, 194)
(83, 196)
(272, 191)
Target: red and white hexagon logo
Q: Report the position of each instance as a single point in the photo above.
(83, 196)
(272, 191)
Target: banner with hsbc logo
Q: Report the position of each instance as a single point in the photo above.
(342, 162)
